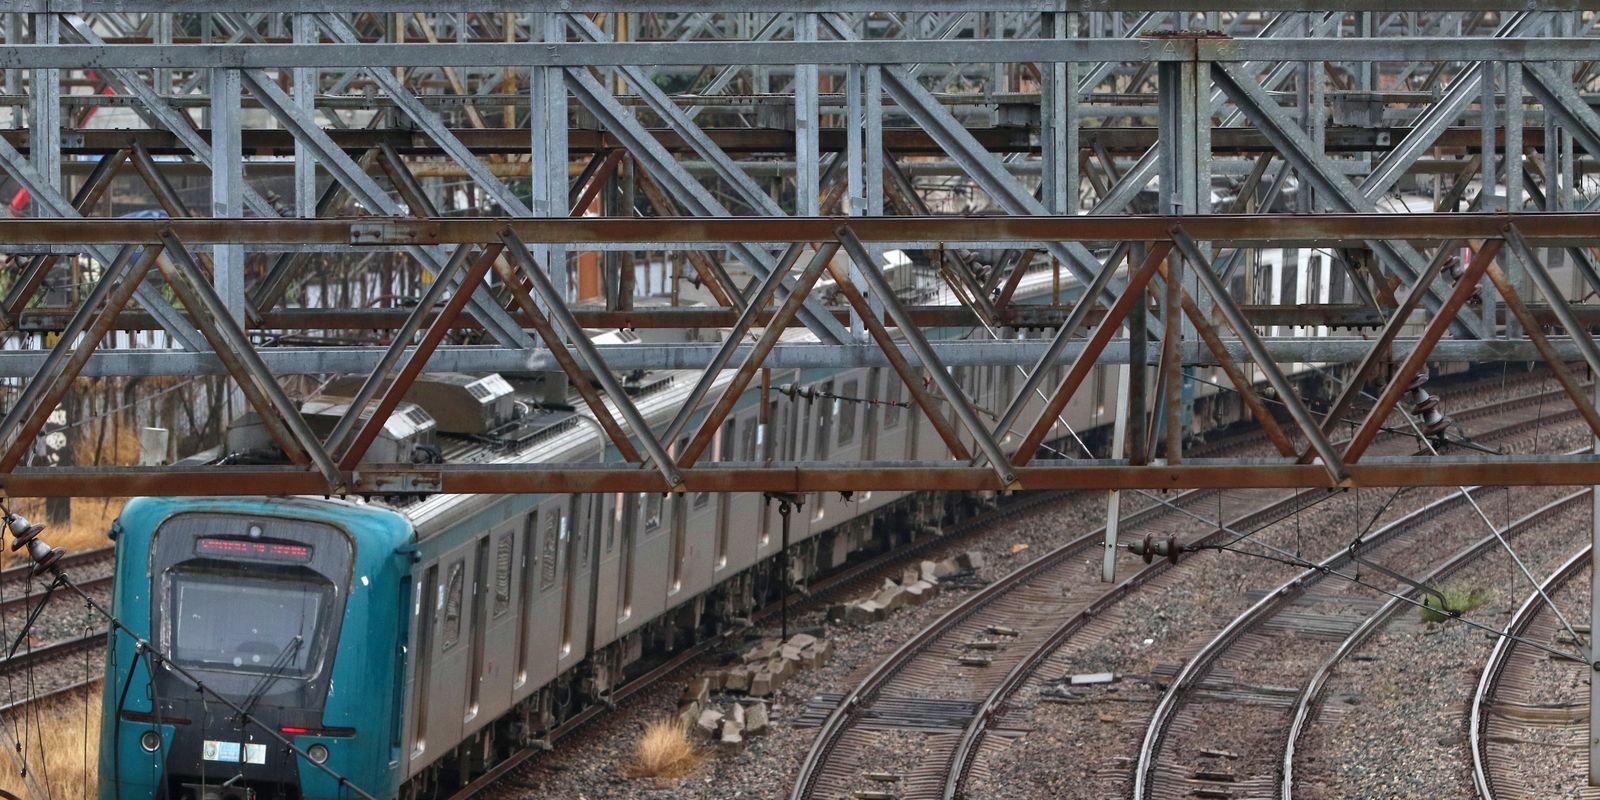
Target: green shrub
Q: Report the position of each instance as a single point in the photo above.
(1457, 600)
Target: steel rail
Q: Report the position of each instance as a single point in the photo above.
(1309, 699)
(1194, 671)
(967, 747)
(42, 697)
(843, 583)
(74, 559)
(860, 696)
(23, 601)
(1500, 658)
(33, 656)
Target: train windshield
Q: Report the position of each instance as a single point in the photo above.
(227, 621)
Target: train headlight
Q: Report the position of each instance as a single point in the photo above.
(150, 741)
(318, 753)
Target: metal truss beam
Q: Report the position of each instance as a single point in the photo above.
(779, 6)
(1243, 230)
(803, 476)
(784, 53)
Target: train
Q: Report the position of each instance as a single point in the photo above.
(404, 646)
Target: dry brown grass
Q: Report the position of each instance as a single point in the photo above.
(664, 752)
(91, 518)
(58, 752)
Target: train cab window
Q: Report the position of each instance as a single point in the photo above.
(847, 413)
(279, 637)
(551, 531)
(454, 591)
(502, 572)
(893, 395)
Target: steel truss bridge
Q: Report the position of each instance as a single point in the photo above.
(1147, 153)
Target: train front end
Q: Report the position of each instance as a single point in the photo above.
(290, 613)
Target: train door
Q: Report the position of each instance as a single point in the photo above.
(427, 617)
(502, 622)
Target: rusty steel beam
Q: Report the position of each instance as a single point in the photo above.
(511, 279)
(206, 311)
(1418, 357)
(760, 141)
(94, 187)
(1558, 366)
(1224, 303)
(1398, 319)
(1241, 384)
(539, 282)
(271, 288)
(897, 362)
(45, 390)
(1341, 315)
(416, 360)
(1131, 296)
(747, 369)
(800, 477)
(435, 295)
(986, 442)
(1561, 228)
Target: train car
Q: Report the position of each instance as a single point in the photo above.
(411, 644)
(296, 609)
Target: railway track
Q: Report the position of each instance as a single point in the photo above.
(848, 582)
(1520, 669)
(832, 766)
(1309, 704)
(1304, 616)
(952, 750)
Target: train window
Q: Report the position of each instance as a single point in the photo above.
(847, 414)
(455, 591)
(614, 523)
(893, 395)
(747, 441)
(652, 511)
(578, 519)
(825, 409)
(502, 572)
(551, 531)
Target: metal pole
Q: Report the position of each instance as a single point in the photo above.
(1594, 625)
(783, 573)
(1119, 438)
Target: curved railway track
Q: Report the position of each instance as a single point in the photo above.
(1515, 665)
(1292, 619)
(829, 767)
(1308, 703)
